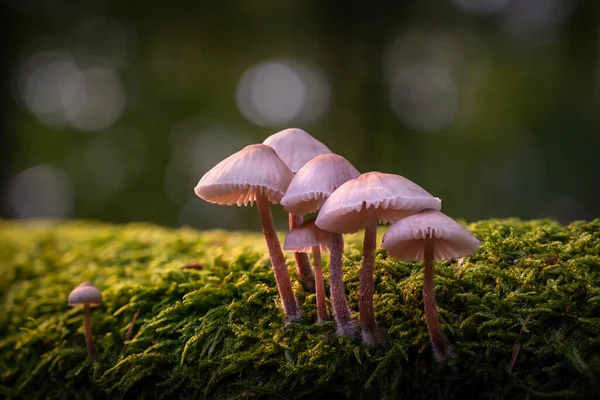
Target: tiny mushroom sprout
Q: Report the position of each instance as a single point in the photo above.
(302, 239)
(296, 147)
(255, 174)
(427, 236)
(311, 186)
(86, 295)
(360, 204)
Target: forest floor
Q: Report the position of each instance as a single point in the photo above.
(216, 329)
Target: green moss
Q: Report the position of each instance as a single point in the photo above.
(218, 332)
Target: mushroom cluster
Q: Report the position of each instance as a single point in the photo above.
(299, 172)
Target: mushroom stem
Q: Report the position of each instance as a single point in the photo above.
(341, 311)
(302, 262)
(370, 334)
(288, 300)
(322, 313)
(441, 349)
(87, 324)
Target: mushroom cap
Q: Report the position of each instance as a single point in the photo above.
(393, 197)
(304, 237)
(241, 177)
(295, 147)
(315, 182)
(404, 239)
(85, 293)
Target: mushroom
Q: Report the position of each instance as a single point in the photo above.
(86, 295)
(302, 239)
(360, 204)
(427, 236)
(255, 174)
(296, 147)
(309, 189)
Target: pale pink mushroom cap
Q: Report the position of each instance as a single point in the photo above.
(404, 239)
(295, 147)
(304, 237)
(315, 182)
(240, 178)
(85, 293)
(393, 197)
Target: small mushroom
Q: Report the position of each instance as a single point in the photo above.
(296, 147)
(255, 174)
(86, 295)
(311, 186)
(427, 236)
(302, 239)
(360, 204)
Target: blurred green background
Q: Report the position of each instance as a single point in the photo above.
(114, 110)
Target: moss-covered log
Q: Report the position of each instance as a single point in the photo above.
(216, 330)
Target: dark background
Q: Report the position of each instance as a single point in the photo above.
(114, 110)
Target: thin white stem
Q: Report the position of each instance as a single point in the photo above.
(341, 310)
(282, 278)
(365, 301)
(87, 325)
(322, 313)
(441, 349)
(303, 268)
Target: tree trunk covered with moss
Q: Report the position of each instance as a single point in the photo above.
(217, 331)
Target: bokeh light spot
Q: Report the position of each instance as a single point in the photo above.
(48, 83)
(535, 23)
(276, 93)
(420, 46)
(100, 100)
(43, 191)
(57, 91)
(424, 97)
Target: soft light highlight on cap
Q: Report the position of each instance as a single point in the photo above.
(295, 147)
(393, 197)
(253, 171)
(405, 238)
(85, 293)
(315, 182)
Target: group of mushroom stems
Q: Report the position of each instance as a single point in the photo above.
(299, 172)
(294, 169)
